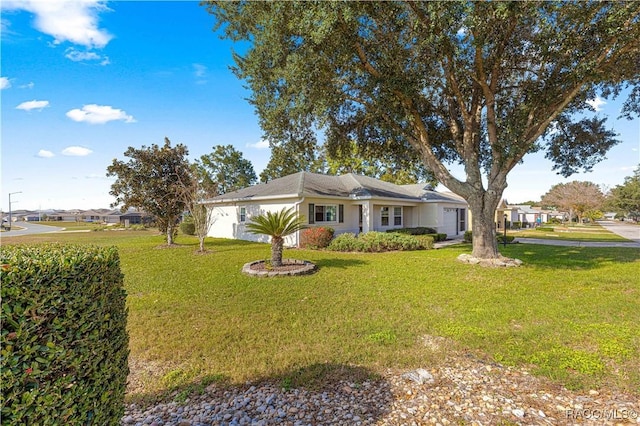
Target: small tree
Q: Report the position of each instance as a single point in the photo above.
(152, 180)
(277, 225)
(196, 189)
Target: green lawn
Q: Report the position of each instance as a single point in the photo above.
(570, 314)
(593, 232)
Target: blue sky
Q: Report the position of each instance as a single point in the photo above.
(83, 80)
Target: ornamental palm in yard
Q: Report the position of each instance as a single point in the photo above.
(277, 225)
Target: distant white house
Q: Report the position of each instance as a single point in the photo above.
(346, 203)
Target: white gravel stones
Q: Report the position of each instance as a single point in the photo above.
(463, 390)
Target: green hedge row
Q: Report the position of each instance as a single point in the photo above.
(64, 344)
(420, 230)
(377, 242)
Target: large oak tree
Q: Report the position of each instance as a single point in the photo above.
(475, 83)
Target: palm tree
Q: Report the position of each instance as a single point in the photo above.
(277, 225)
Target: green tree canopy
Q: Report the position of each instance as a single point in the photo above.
(226, 170)
(475, 83)
(153, 180)
(625, 198)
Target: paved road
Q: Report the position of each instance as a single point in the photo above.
(626, 230)
(29, 228)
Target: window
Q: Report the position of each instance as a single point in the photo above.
(325, 213)
(397, 216)
(243, 214)
(384, 216)
(462, 220)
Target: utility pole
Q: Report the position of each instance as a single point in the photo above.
(10, 194)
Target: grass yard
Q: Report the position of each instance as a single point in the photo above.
(570, 314)
(592, 232)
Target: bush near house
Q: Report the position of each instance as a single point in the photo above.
(376, 242)
(420, 230)
(64, 340)
(316, 238)
(188, 226)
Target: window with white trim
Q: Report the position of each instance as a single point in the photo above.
(397, 216)
(391, 215)
(384, 216)
(243, 214)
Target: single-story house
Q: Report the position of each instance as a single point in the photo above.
(135, 218)
(527, 215)
(346, 203)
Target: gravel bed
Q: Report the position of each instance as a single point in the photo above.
(464, 390)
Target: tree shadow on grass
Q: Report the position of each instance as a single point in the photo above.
(339, 263)
(562, 257)
(315, 394)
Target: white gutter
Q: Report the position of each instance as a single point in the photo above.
(296, 205)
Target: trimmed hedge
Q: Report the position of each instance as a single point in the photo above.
(375, 242)
(64, 344)
(420, 230)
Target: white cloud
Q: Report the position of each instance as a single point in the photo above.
(76, 151)
(43, 153)
(199, 70)
(79, 56)
(27, 86)
(31, 105)
(99, 114)
(597, 103)
(4, 83)
(262, 144)
(67, 20)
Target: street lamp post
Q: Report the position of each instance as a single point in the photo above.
(504, 240)
(10, 194)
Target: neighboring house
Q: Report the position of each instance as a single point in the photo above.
(90, 216)
(135, 218)
(346, 203)
(112, 216)
(64, 216)
(527, 215)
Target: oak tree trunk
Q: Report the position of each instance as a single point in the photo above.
(483, 209)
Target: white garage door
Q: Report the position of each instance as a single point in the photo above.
(450, 222)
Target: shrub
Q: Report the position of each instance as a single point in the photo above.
(64, 340)
(467, 237)
(375, 242)
(188, 227)
(420, 230)
(346, 242)
(437, 237)
(316, 238)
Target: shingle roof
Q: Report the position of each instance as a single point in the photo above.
(305, 184)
